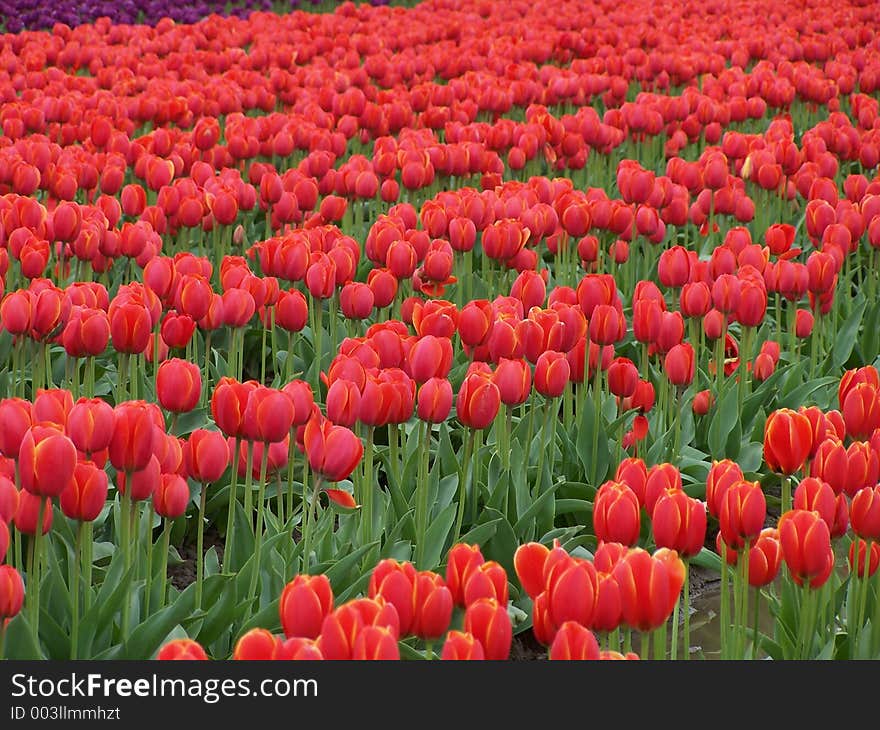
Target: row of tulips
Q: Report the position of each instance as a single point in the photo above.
(403, 606)
(236, 273)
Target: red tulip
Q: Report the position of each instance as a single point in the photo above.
(788, 439)
(131, 445)
(304, 604)
(488, 580)
(574, 642)
(299, 649)
(864, 513)
(572, 593)
(85, 495)
(461, 561)
(487, 621)
(461, 646)
(27, 514)
(857, 564)
(478, 401)
(806, 547)
(679, 523)
(333, 451)
(15, 420)
(182, 649)
(171, 496)
(742, 514)
(861, 410)
(206, 455)
(551, 374)
(46, 461)
(817, 496)
(433, 606)
(256, 645)
(679, 365)
(375, 643)
(11, 592)
(661, 478)
(646, 593)
(178, 385)
(616, 514)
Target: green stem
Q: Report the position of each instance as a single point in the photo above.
(230, 517)
(687, 611)
(369, 487)
(37, 569)
(291, 459)
(200, 543)
(597, 398)
(75, 574)
(166, 546)
(786, 493)
(422, 496)
(310, 517)
(258, 548)
(462, 479)
(149, 588)
(675, 612)
(755, 620)
(725, 608)
(742, 627)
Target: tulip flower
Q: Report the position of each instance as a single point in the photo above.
(462, 646)
(487, 621)
(182, 649)
(788, 440)
(616, 514)
(304, 604)
(574, 642)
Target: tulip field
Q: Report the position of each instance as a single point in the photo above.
(460, 329)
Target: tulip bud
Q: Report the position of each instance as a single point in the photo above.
(460, 645)
(679, 523)
(171, 496)
(489, 623)
(461, 560)
(788, 439)
(865, 513)
(551, 374)
(206, 455)
(11, 592)
(304, 604)
(182, 649)
(85, 495)
(488, 580)
(574, 642)
(256, 645)
(46, 461)
(478, 401)
(743, 511)
(178, 385)
(616, 514)
(806, 547)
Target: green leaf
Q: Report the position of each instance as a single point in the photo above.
(20, 642)
(482, 533)
(437, 534)
(536, 506)
(801, 394)
(339, 571)
(588, 429)
(707, 559)
(723, 422)
(149, 635)
(846, 335)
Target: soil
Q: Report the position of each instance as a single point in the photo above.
(184, 573)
